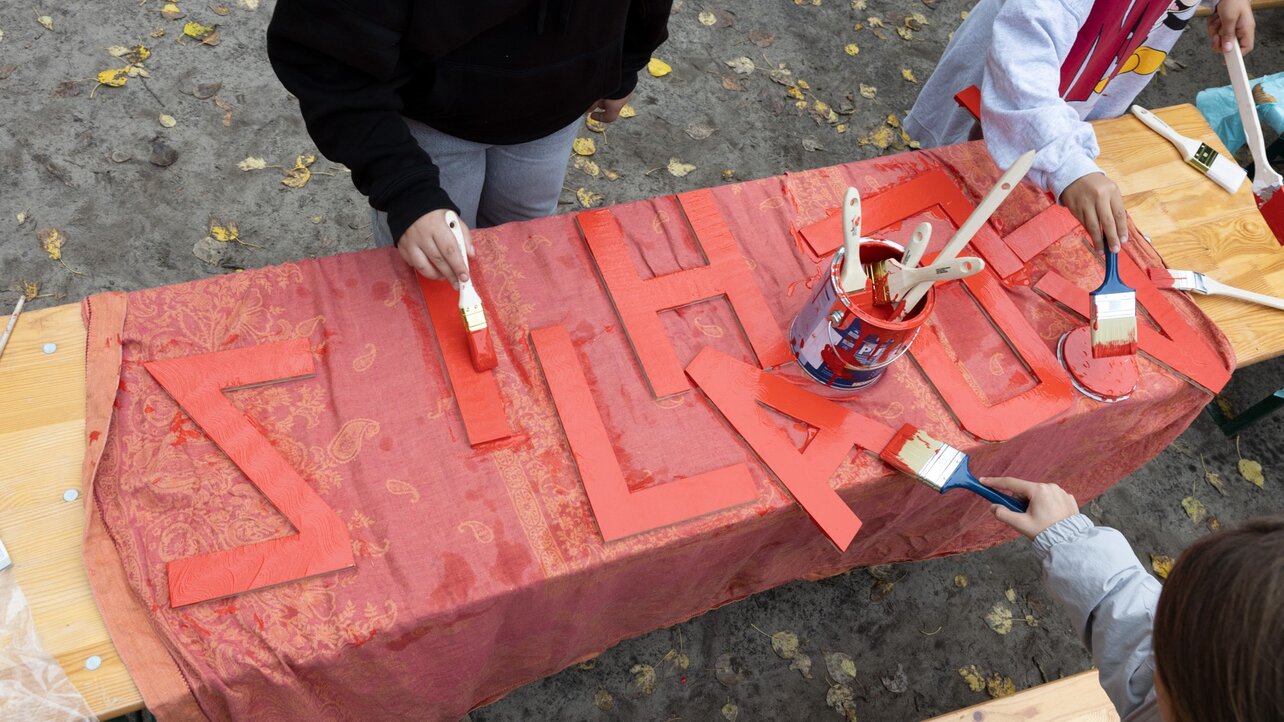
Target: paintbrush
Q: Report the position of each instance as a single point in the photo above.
(470, 307)
(877, 272)
(1266, 182)
(1112, 314)
(852, 277)
(1200, 156)
(986, 208)
(13, 321)
(939, 465)
(897, 280)
(1199, 283)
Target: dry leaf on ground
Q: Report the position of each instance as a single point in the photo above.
(643, 678)
(741, 65)
(603, 700)
(841, 699)
(584, 146)
(252, 163)
(730, 712)
(802, 664)
(725, 672)
(51, 240)
(588, 198)
(999, 618)
(679, 169)
(1195, 509)
(1162, 564)
(658, 68)
(898, 683)
(1252, 471)
(841, 667)
(972, 675)
(999, 686)
(785, 644)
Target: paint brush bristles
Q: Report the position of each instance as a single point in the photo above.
(939, 465)
(470, 308)
(1113, 314)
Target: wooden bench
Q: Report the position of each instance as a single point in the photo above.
(1077, 698)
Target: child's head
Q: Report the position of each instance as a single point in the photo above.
(1219, 628)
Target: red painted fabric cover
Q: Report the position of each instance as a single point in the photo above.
(479, 569)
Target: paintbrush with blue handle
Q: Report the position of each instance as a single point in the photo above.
(940, 466)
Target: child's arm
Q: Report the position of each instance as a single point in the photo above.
(1094, 574)
(1022, 109)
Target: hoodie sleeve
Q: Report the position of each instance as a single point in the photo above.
(647, 28)
(343, 64)
(1021, 105)
(1111, 599)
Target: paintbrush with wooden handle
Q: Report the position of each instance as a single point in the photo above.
(990, 203)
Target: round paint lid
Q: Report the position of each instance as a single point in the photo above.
(1108, 380)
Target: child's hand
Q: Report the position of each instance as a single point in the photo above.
(430, 248)
(1232, 21)
(1095, 200)
(1049, 504)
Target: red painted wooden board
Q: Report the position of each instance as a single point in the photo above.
(619, 512)
(476, 392)
(1041, 231)
(639, 302)
(739, 390)
(322, 543)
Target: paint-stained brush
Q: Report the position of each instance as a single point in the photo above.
(1268, 186)
(470, 307)
(1200, 156)
(893, 281)
(13, 321)
(939, 465)
(1196, 282)
(1112, 314)
(852, 276)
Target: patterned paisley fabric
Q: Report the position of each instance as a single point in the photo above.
(479, 570)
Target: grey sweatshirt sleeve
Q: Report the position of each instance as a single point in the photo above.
(1021, 105)
(1111, 598)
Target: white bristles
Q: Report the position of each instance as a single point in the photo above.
(932, 462)
(1226, 173)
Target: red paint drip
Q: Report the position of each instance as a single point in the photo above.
(481, 350)
(93, 436)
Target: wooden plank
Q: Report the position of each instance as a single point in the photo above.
(1197, 226)
(1077, 698)
(42, 445)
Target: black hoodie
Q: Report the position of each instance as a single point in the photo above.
(491, 71)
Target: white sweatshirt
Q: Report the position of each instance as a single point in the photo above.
(1111, 599)
(1045, 67)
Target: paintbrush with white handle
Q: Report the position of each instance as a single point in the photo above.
(852, 277)
(1200, 156)
(917, 245)
(13, 321)
(901, 279)
(986, 208)
(878, 271)
(1196, 282)
(1266, 182)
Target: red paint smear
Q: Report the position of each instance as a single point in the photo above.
(619, 512)
(456, 581)
(1111, 378)
(231, 339)
(477, 393)
(322, 543)
(737, 390)
(481, 350)
(1041, 231)
(93, 436)
(639, 302)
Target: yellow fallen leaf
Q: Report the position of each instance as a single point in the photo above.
(584, 146)
(611, 175)
(225, 233)
(707, 18)
(596, 126)
(730, 712)
(999, 618)
(874, 21)
(841, 128)
(138, 53)
(198, 31)
(1195, 509)
(882, 136)
(960, 581)
(252, 163)
(804, 84)
(1252, 471)
(785, 644)
(868, 91)
(658, 68)
(851, 48)
(963, 14)
(51, 241)
(728, 174)
(908, 75)
(305, 160)
(1011, 595)
(679, 169)
(158, 33)
(588, 166)
(588, 198)
(795, 93)
(840, 666)
(114, 78)
(31, 289)
(45, 21)
(299, 175)
(821, 107)
(171, 11)
(905, 33)
(167, 120)
(1162, 564)
(893, 121)
(248, 4)
(21, 217)
(741, 65)
(643, 678)
(859, 4)
(972, 676)
(628, 111)
(117, 51)
(917, 17)
(999, 686)
(603, 700)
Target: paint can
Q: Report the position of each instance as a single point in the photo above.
(846, 347)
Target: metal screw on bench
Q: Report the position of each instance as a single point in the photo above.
(71, 495)
(93, 663)
(49, 347)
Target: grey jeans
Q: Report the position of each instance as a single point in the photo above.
(493, 184)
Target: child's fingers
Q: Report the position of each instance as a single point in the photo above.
(1011, 518)
(1120, 216)
(1106, 217)
(1018, 487)
(1088, 219)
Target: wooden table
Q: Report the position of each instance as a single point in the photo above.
(1192, 223)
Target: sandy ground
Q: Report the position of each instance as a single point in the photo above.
(135, 200)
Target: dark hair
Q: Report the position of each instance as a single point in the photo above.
(1219, 627)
